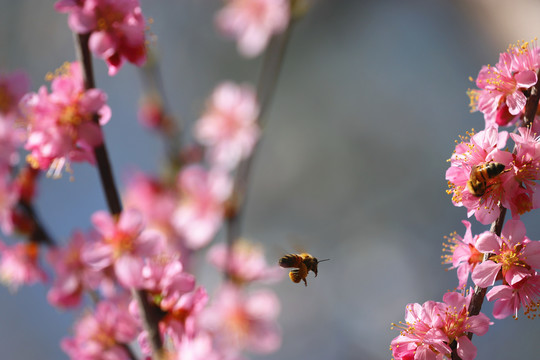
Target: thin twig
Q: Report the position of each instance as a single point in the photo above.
(149, 314)
(266, 87)
(532, 103)
(39, 233)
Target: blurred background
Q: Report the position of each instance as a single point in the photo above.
(370, 101)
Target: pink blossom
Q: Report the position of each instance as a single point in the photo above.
(522, 186)
(245, 263)
(19, 264)
(525, 55)
(60, 124)
(102, 334)
(183, 315)
(500, 85)
(513, 254)
(239, 321)
(431, 327)
(73, 276)
(123, 244)
(463, 254)
(253, 22)
(116, 29)
(180, 316)
(509, 299)
(229, 125)
(200, 211)
(163, 276)
(482, 148)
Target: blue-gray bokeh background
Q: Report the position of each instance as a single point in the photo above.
(371, 98)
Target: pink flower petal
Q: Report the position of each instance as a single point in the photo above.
(484, 274)
(531, 254)
(514, 231)
(128, 269)
(526, 79)
(465, 348)
(488, 242)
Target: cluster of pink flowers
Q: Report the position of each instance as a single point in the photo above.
(487, 178)
(430, 328)
(60, 124)
(116, 28)
(148, 248)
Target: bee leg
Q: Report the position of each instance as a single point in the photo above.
(305, 282)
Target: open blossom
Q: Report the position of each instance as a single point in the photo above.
(513, 255)
(102, 334)
(60, 124)
(164, 276)
(253, 22)
(430, 328)
(19, 264)
(243, 322)
(510, 298)
(123, 244)
(482, 148)
(200, 211)
(525, 173)
(116, 27)
(463, 254)
(73, 275)
(245, 263)
(12, 88)
(501, 97)
(229, 125)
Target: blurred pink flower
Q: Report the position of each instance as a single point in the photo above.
(73, 275)
(157, 203)
(463, 254)
(253, 22)
(243, 322)
(163, 277)
(430, 328)
(244, 264)
(19, 264)
(200, 211)
(102, 334)
(123, 244)
(60, 124)
(116, 27)
(180, 316)
(229, 125)
(482, 148)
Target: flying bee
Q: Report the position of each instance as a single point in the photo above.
(480, 174)
(303, 263)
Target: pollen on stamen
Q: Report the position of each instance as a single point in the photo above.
(65, 69)
(448, 247)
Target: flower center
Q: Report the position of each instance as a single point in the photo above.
(121, 243)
